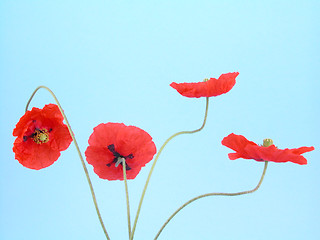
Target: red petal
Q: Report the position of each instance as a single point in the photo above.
(279, 155)
(60, 138)
(25, 121)
(105, 134)
(99, 157)
(33, 155)
(191, 90)
(238, 144)
(211, 88)
(249, 150)
(302, 150)
(221, 85)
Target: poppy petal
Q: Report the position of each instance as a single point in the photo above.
(211, 88)
(237, 143)
(34, 156)
(279, 155)
(249, 150)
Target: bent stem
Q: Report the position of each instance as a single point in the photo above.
(156, 159)
(78, 150)
(213, 194)
(127, 195)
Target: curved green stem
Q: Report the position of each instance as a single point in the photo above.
(78, 150)
(213, 194)
(156, 159)
(127, 195)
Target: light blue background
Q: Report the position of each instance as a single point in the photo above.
(114, 62)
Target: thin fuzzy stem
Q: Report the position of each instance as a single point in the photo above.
(127, 195)
(156, 159)
(78, 150)
(213, 194)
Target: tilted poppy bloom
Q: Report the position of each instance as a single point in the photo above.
(269, 152)
(41, 136)
(111, 143)
(210, 88)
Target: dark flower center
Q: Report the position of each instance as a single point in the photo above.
(118, 158)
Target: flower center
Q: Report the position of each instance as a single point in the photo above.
(40, 136)
(118, 158)
(267, 142)
(119, 161)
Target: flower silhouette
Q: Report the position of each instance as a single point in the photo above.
(210, 88)
(250, 150)
(41, 136)
(111, 143)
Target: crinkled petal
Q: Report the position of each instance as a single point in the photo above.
(105, 134)
(249, 150)
(191, 90)
(221, 85)
(302, 150)
(279, 155)
(237, 143)
(25, 121)
(60, 138)
(33, 155)
(211, 88)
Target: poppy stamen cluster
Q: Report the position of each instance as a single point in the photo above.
(118, 158)
(40, 136)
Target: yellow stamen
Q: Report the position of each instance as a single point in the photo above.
(41, 136)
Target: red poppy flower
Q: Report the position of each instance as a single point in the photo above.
(41, 135)
(110, 143)
(211, 88)
(250, 150)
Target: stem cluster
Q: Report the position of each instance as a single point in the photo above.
(131, 231)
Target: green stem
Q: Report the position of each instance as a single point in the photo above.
(156, 159)
(78, 150)
(213, 194)
(127, 195)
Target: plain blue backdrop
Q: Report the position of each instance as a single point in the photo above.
(113, 61)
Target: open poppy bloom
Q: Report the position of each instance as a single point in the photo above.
(268, 152)
(112, 143)
(210, 88)
(41, 136)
